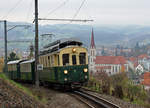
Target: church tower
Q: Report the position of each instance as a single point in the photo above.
(92, 54)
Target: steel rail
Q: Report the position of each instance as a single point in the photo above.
(97, 100)
(104, 100)
(82, 100)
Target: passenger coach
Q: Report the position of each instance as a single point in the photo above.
(65, 63)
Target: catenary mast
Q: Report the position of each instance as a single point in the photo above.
(36, 45)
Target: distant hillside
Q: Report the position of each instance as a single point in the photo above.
(104, 35)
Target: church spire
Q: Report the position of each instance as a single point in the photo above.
(92, 40)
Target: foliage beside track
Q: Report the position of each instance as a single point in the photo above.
(121, 87)
(22, 88)
(14, 95)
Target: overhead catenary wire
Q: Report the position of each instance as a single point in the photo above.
(77, 12)
(29, 10)
(10, 10)
(73, 18)
(75, 15)
(57, 8)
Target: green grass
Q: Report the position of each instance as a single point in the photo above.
(19, 86)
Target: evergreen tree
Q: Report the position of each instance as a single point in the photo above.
(13, 56)
(31, 55)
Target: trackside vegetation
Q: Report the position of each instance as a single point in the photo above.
(120, 87)
(22, 88)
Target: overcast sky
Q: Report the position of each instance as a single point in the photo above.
(102, 11)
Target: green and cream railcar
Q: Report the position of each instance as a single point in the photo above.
(27, 70)
(13, 69)
(65, 63)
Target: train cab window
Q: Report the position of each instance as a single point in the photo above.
(82, 58)
(74, 59)
(65, 59)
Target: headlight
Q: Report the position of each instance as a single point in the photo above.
(85, 70)
(65, 72)
(73, 50)
(86, 77)
(65, 79)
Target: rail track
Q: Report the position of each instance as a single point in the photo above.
(93, 101)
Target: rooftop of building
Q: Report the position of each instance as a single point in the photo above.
(146, 78)
(110, 60)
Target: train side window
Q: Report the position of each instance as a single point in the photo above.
(74, 60)
(46, 61)
(58, 60)
(49, 62)
(42, 60)
(82, 58)
(53, 60)
(65, 59)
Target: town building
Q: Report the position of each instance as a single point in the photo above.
(109, 64)
(140, 64)
(146, 80)
(92, 54)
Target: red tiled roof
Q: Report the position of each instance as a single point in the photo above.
(110, 60)
(103, 67)
(143, 56)
(92, 40)
(133, 59)
(146, 79)
(147, 75)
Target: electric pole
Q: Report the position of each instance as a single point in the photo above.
(36, 45)
(5, 44)
(5, 40)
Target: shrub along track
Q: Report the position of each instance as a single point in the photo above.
(121, 103)
(13, 97)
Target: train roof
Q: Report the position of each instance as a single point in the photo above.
(14, 62)
(59, 44)
(28, 61)
(62, 41)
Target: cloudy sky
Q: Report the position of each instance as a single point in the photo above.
(102, 11)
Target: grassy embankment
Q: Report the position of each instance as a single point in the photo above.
(129, 92)
(23, 89)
